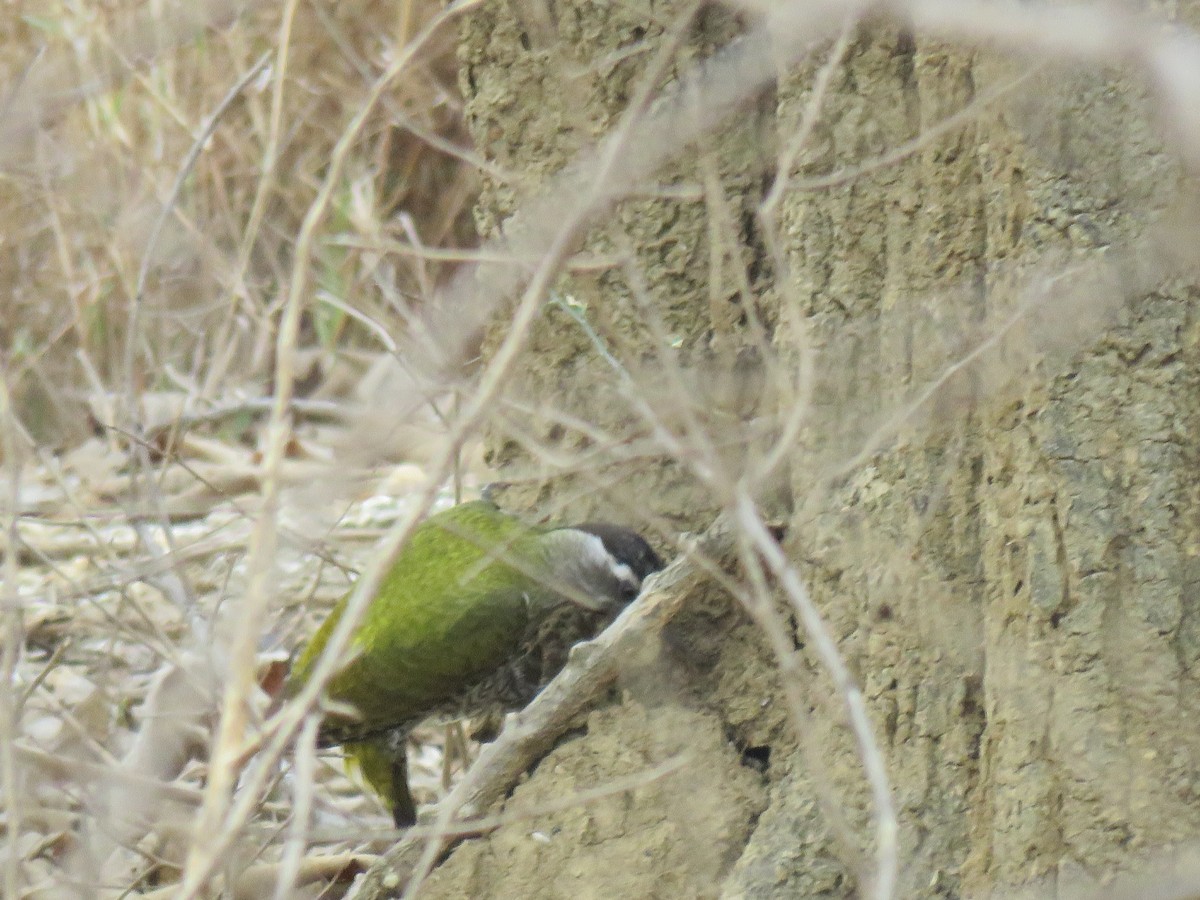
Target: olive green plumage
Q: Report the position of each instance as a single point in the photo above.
(477, 612)
(417, 647)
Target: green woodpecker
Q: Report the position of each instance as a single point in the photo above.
(475, 616)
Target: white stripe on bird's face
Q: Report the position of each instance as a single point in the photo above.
(593, 577)
(599, 557)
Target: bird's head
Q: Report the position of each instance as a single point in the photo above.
(602, 565)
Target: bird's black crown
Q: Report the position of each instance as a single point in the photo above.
(626, 546)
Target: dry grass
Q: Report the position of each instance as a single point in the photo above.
(106, 107)
(155, 173)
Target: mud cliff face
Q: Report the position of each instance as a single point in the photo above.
(1008, 570)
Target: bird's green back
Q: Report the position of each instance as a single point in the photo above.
(449, 611)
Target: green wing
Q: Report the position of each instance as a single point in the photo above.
(447, 613)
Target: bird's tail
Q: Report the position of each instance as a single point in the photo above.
(383, 764)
